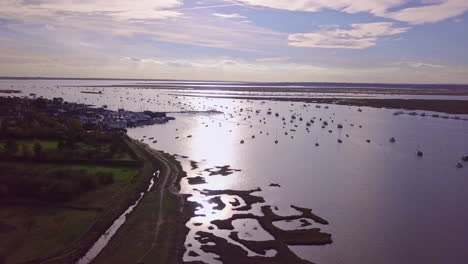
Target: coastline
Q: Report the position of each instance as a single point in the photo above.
(155, 231)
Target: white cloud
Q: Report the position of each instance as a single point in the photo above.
(429, 11)
(359, 36)
(434, 11)
(228, 16)
(273, 59)
(349, 6)
(193, 28)
(119, 9)
(421, 65)
(227, 64)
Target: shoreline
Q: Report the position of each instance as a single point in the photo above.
(155, 230)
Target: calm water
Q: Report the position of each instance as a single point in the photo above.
(384, 204)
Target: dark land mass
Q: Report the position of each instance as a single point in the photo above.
(91, 92)
(247, 196)
(196, 180)
(221, 170)
(193, 165)
(230, 253)
(219, 203)
(10, 91)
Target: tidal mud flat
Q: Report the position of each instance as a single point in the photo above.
(218, 235)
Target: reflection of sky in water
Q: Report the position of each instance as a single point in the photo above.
(384, 204)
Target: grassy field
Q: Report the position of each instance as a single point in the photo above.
(39, 231)
(29, 230)
(136, 238)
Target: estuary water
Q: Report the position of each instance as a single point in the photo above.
(384, 204)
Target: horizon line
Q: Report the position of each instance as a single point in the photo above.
(246, 82)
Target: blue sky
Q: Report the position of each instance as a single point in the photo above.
(409, 41)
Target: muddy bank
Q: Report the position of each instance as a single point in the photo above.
(221, 170)
(196, 180)
(229, 252)
(193, 165)
(246, 196)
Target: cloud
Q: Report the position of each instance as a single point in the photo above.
(226, 64)
(118, 9)
(273, 59)
(85, 22)
(421, 65)
(348, 6)
(434, 11)
(428, 11)
(359, 36)
(228, 16)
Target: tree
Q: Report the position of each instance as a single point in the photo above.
(11, 147)
(25, 151)
(60, 145)
(37, 149)
(75, 129)
(3, 190)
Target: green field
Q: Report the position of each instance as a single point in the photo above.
(29, 230)
(33, 232)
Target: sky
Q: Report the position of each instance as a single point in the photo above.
(396, 41)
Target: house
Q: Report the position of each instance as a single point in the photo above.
(116, 124)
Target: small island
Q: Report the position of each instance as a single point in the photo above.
(10, 91)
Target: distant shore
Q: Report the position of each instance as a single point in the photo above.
(328, 88)
(10, 91)
(443, 106)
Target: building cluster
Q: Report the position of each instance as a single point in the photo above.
(91, 117)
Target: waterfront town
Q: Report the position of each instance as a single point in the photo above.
(91, 117)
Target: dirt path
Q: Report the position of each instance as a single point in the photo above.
(151, 233)
(168, 181)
